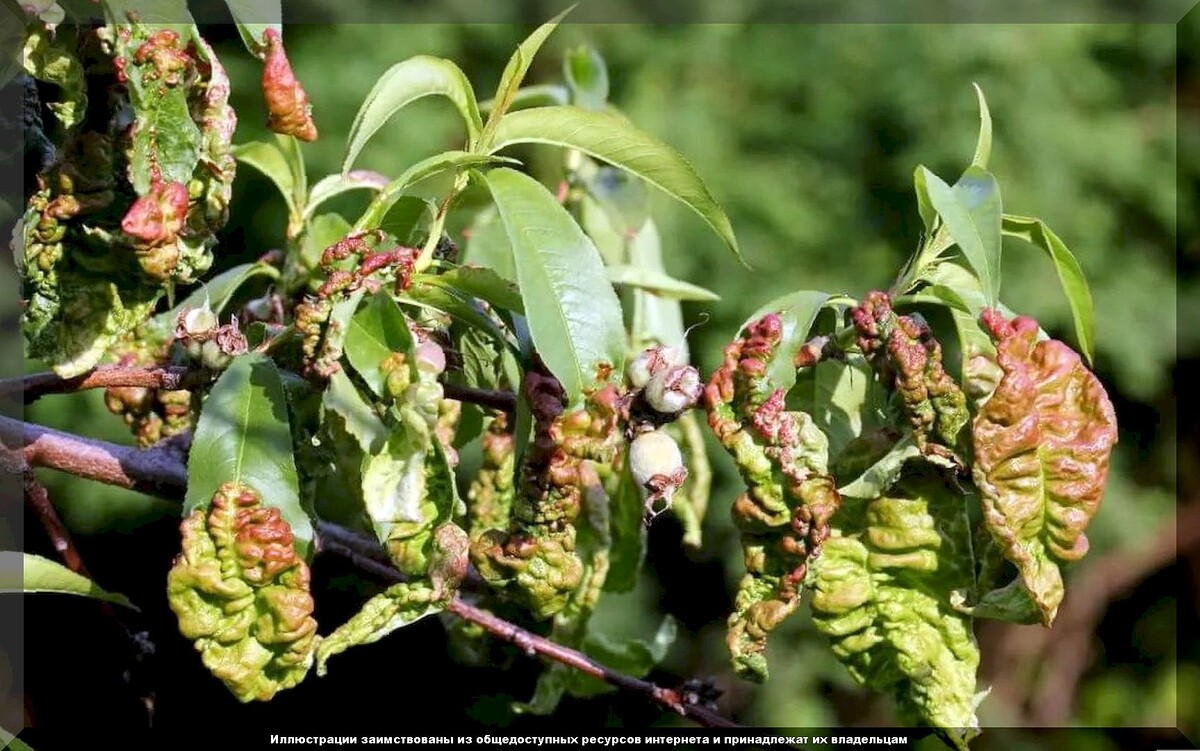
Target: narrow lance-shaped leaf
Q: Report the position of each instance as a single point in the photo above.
(244, 437)
(983, 146)
(343, 399)
(1042, 443)
(1070, 275)
(587, 77)
(574, 316)
(659, 283)
(426, 168)
(611, 138)
(971, 211)
(335, 185)
(881, 593)
(40, 574)
(404, 83)
(514, 74)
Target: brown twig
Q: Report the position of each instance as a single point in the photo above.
(170, 378)
(505, 401)
(533, 644)
(38, 499)
(37, 385)
(162, 470)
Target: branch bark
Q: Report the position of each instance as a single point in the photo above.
(162, 470)
(36, 385)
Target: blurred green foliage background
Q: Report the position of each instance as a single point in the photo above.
(809, 136)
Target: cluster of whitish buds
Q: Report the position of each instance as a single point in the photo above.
(205, 341)
(667, 386)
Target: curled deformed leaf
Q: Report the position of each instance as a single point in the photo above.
(241, 593)
(288, 109)
(882, 593)
(1042, 443)
(47, 59)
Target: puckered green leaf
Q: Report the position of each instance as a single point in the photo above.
(614, 140)
(574, 315)
(1042, 443)
(882, 593)
(44, 575)
(241, 592)
(404, 83)
(244, 436)
(400, 605)
(1070, 275)
(971, 211)
(48, 60)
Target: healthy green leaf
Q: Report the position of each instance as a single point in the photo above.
(983, 146)
(244, 436)
(253, 18)
(924, 205)
(455, 304)
(612, 139)
(656, 319)
(270, 159)
(334, 185)
(426, 168)
(343, 399)
(1070, 275)
(628, 533)
(404, 83)
(841, 397)
(514, 75)
(971, 211)
(44, 575)
(798, 311)
(484, 284)
(574, 314)
(487, 244)
(884, 473)
(587, 77)
(537, 95)
(217, 292)
(659, 283)
(376, 332)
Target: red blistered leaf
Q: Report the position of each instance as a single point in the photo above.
(157, 217)
(288, 109)
(1042, 446)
